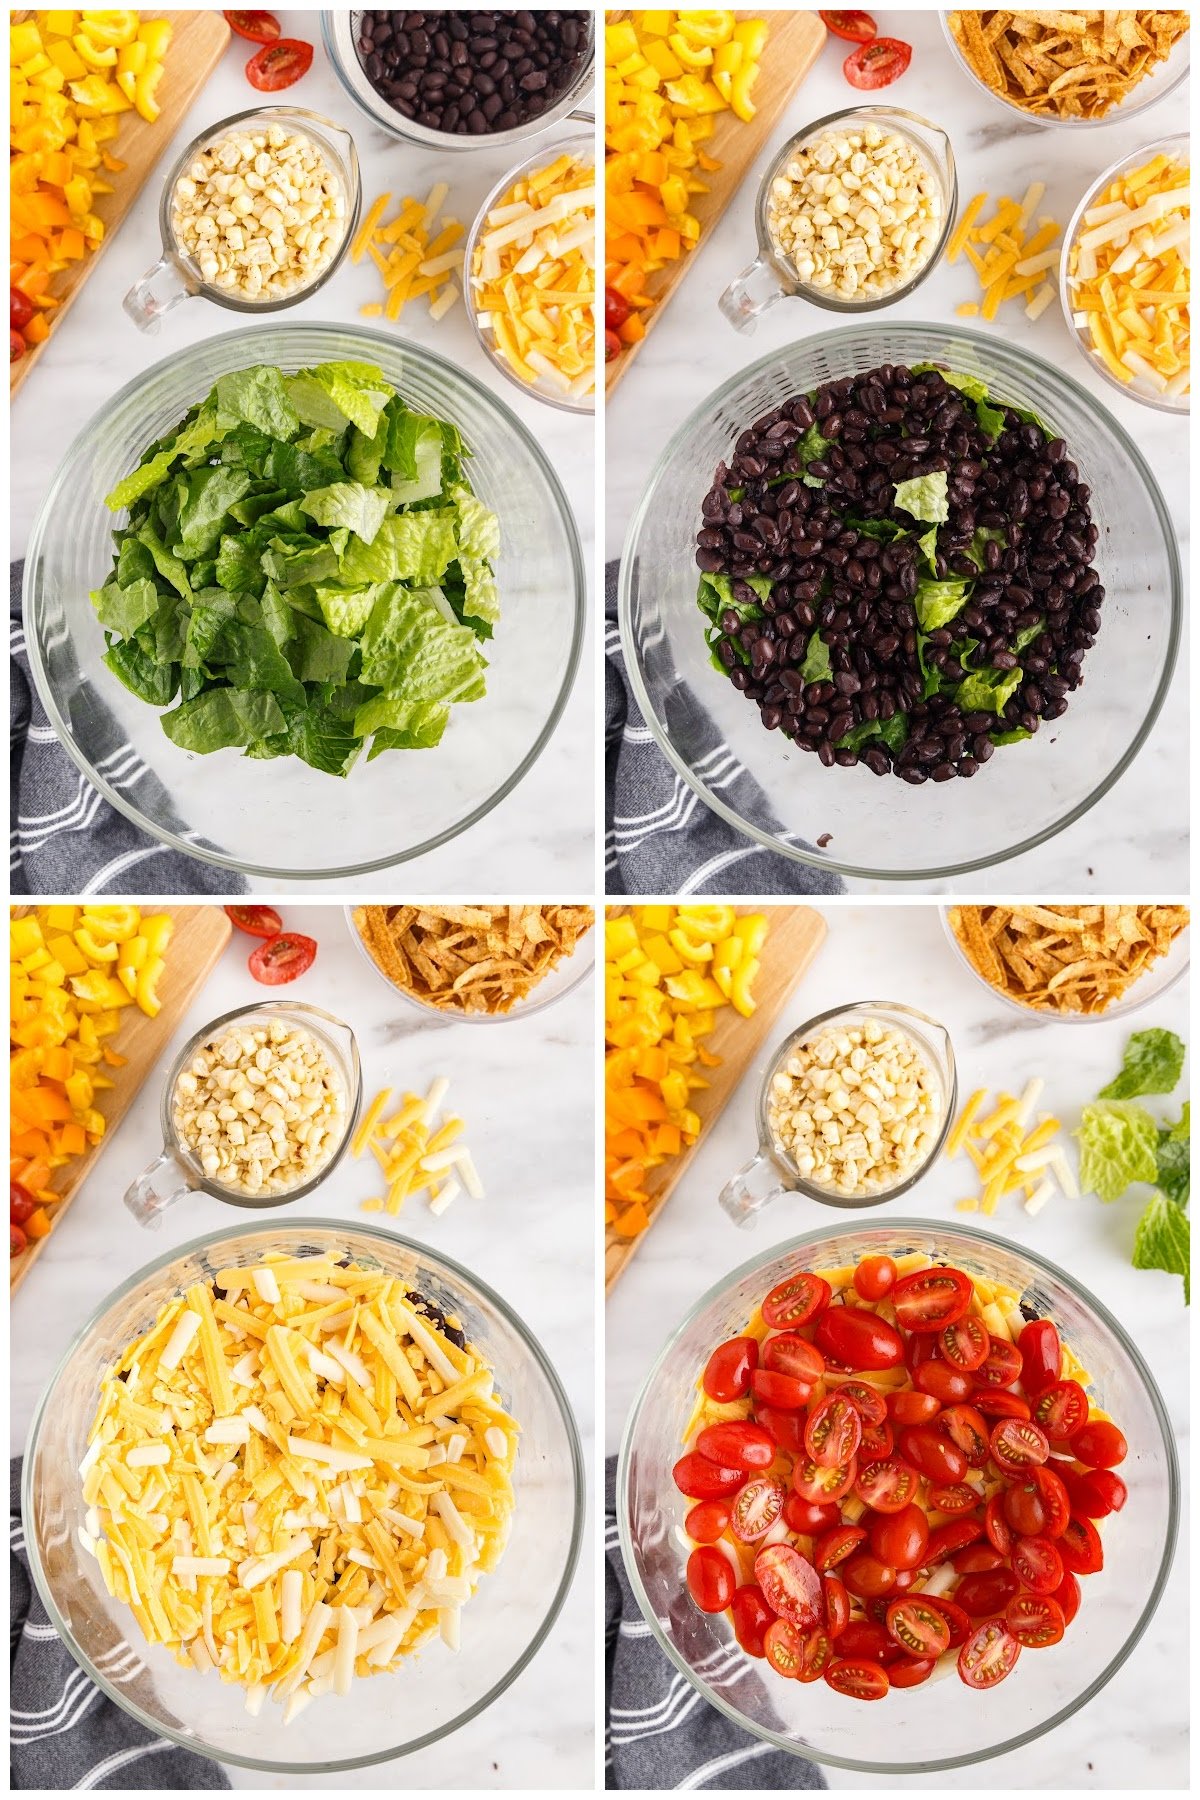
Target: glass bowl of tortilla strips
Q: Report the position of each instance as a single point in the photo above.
(1074, 963)
(477, 962)
(1071, 68)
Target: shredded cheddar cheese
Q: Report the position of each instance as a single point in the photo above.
(415, 256)
(1010, 1155)
(1010, 264)
(415, 1151)
(295, 1477)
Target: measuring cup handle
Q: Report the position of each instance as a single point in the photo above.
(750, 294)
(156, 1188)
(754, 1186)
(159, 289)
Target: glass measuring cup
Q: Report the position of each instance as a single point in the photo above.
(176, 275)
(177, 1170)
(772, 277)
(771, 1171)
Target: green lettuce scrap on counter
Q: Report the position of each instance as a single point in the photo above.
(304, 570)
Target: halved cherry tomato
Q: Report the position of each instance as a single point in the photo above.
(1056, 1502)
(866, 1640)
(965, 1344)
(756, 1508)
(282, 958)
(1068, 1596)
(707, 1521)
(878, 1441)
(977, 1559)
(1080, 1547)
(279, 64)
(1000, 1367)
(1061, 1409)
(1035, 1620)
(988, 1655)
(930, 1299)
(783, 1648)
(834, 1546)
(998, 1525)
(21, 1204)
(833, 1432)
(875, 1276)
(855, 28)
(783, 1391)
(700, 1479)
(996, 1404)
(888, 1485)
(1018, 1444)
(737, 1444)
(837, 1604)
(1038, 1563)
(616, 309)
(1095, 1493)
(824, 1486)
(954, 1535)
(878, 63)
(613, 347)
(901, 1539)
(257, 27)
(791, 1586)
(919, 1629)
(1099, 1444)
(987, 1592)
(948, 1386)
(858, 1680)
(17, 1241)
(868, 1576)
(787, 1428)
(797, 1300)
(816, 1654)
(710, 1579)
(751, 1618)
(727, 1371)
(867, 1402)
(20, 309)
(789, 1354)
(808, 1518)
(910, 1408)
(1041, 1355)
(259, 921)
(958, 1621)
(932, 1454)
(859, 1339)
(961, 1497)
(911, 1671)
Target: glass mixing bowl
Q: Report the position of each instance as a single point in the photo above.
(945, 1725)
(884, 828)
(503, 1625)
(281, 818)
(1149, 987)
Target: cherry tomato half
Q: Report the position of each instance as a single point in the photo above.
(857, 1680)
(1038, 1564)
(1035, 1620)
(787, 1428)
(833, 1432)
(987, 1592)
(999, 1526)
(888, 1485)
(279, 64)
(1018, 1444)
(1068, 1596)
(1056, 1502)
(878, 63)
(797, 1300)
(859, 1339)
(965, 1344)
(878, 1441)
(932, 1454)
(988, 1655)
(907, 1407)
(1095, 1493)
(728, 1370)
(837, 1604)
(21, 1204)
(996, 1404)
(16, 346)
(707, 1521)
(866, 1640)
(835, 1545)
(954, 1535)
(17, 1241)
(960, 1497)
(875, 1276)
(282, 958)
(1000, 1367)
(867, 1402)
(789, 1354)
(791, 1586)
(700, 1479)
(911, 1671)
(1041, 1355)
(958, 1621)
(20, 309)
(784, 1648)
(258, 921)
(867, 1576)
(257, 27)
(1061, 1410)
(710, 1579)
(752, 1618)
(616, 309)
(1080, 1547)
(736, 1444)
(901, 1539)
(756, 1508)
(977, 1559)
(930, 1299)
(823, 1486)
(948, 1386)
(855, 28)
(918, 1628)
(1099, 1444)
(613, 347)
(786, 1392)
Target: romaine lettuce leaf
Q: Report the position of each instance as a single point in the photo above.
(1117, 1145)
(417, 547)
(223, 719)
(1153, 1064)
(360, 509)
(925, 497)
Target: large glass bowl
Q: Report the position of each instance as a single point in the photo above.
(282, 818)
(848, 819)
(1152, 88)
(944, 1725)
(1157, 980)
(387, 1715)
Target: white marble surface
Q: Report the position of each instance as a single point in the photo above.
(1136, 834)
(531, 1238)
(542, 834)
(1135, 1734)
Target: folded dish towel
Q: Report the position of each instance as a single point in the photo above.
(65, 1732)
(659, 837)
(65, 837)
(658, 1732)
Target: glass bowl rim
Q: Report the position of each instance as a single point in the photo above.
(1113, 116)
(405, 347)
(545, 153)
(1026, 1736)
(523, 1009)
(510, 1317)
(1123, 1009)
(985, 348)
(1177, 140)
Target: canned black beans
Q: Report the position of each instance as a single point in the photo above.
(472, 73)
(899, 571)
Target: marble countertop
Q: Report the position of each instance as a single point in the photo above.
(1136, 1733)
(1136, 832)
(531, 1238)
(541, 835)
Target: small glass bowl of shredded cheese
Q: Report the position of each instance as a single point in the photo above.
(529, 274)
(1125, 277)
(281, 1462)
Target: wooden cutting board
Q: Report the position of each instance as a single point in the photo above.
(795, 937)
(200, 935)
(793, 43)
(196, 45)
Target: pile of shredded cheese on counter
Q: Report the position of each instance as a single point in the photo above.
(1009, 1153)
(416, 257)
(415, 1151)
(294, 1478)
(1010, 265)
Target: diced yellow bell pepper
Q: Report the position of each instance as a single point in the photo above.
(97, 954)
(148, 978)
(24, 41)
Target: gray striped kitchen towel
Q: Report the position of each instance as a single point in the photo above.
(659, 836)
(658, 1731)
(64, 836)
(66, 1733)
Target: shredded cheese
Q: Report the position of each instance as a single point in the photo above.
(1009, 264)
(417, 1151)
